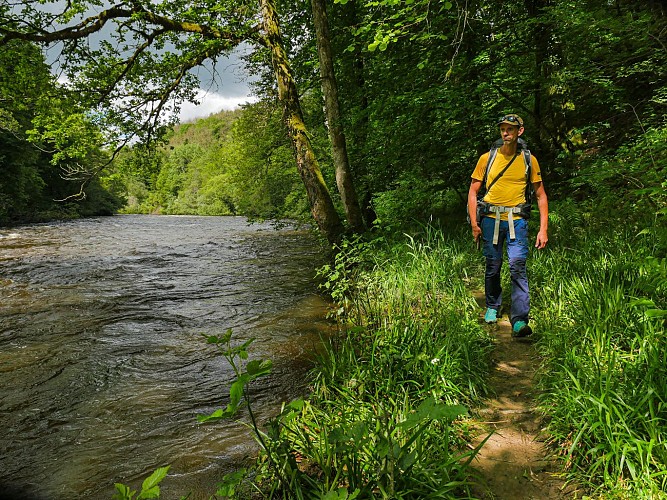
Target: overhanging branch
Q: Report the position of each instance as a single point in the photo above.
(95, 23)
(129, 63)
(85, 28)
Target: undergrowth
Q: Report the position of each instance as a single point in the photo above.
(600, 303)
(385, 415)
(382, 420)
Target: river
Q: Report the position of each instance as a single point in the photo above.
(103, 365)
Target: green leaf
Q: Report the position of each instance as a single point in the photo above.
(358, 431)
(215, 415)
(227, 336)
(656, 313)
(257, 368)
(155, 478)
(218, 414)
(448, 412)
(223, 339)
(429, 409)
(151, 493)
(297, 404)
(227, 488)
(382, 448)
(642, 303)
(150, 488)
(406, 461)
(236, 390)
(124, 492)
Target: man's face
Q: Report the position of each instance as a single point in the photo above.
(510, 133)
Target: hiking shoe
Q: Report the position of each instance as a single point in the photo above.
(490, 316)
(521, 329)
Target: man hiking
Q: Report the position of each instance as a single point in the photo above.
(507, 173)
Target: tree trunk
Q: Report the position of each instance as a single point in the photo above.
(321, 205)
(352, 71)
(550, 119)
(341, 161)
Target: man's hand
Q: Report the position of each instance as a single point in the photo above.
(541, 240)
(475, 184)
(476, 233)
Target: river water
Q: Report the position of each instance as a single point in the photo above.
(103, 366)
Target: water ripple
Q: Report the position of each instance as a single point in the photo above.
(102, 358)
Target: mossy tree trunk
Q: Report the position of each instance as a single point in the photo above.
(321, 205)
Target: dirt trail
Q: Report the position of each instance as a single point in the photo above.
(513, 463)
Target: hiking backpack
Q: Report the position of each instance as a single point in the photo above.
(522, 149)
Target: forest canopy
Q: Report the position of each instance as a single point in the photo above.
(420, 86)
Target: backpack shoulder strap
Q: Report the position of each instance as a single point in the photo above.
(529, 165)
(523, 146)
(492, 156)
(493, 152)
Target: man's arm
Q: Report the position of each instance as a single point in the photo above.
(543, 205)
(475, 186)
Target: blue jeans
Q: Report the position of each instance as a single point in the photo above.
(517, 252)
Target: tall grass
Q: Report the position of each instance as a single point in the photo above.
(600, 300)
(382, 419)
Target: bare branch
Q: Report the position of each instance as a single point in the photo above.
(94, 24)
(129, 63)
(187, 66)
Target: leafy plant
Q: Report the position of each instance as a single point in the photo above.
(149, 488)
(237, 392)
(603, 378)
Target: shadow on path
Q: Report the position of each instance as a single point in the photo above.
(513, 463)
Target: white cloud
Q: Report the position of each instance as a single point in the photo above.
(210, 103)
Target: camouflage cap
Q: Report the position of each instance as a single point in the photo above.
(511, 120)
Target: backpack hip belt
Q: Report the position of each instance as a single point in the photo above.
(495, 209)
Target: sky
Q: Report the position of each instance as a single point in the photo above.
(228, 90)
(212, 102)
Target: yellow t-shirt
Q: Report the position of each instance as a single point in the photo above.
(510, 190)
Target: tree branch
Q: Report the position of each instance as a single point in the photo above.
(129, 63)
(94, 24)
(86, 27)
